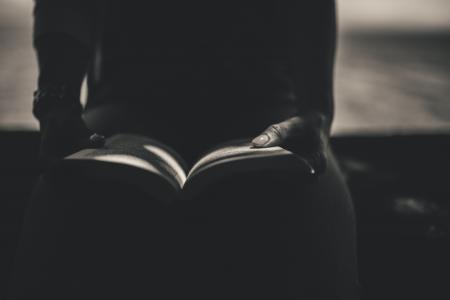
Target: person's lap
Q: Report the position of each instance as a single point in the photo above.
(267, 224)
(272, 236)
(319, 211)
(91, 239)
(255, 232)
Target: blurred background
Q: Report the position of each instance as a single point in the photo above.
(392, 75)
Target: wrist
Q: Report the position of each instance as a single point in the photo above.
(55, 99)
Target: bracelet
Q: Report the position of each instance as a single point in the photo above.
(52, 97)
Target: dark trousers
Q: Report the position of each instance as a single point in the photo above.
(253, 236)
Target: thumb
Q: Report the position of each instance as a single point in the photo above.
(94, 140)
(274, 135)
(97, 140)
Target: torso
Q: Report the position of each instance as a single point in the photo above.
(171, 55)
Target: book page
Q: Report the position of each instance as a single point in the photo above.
(237, 160)
(238, 150)
(170, 160)
(138, 152)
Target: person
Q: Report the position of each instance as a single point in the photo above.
(193, 74)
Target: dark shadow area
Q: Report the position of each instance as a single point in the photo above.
(401, 192)
(400, 189)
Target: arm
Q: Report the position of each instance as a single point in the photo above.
(311, 43)
(64, 38)
(312, 46)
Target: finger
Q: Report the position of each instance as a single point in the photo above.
(274, 135)
(292, 127)
(95, 140)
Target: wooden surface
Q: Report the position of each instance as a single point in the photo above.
(385, 82)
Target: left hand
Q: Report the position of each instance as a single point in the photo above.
(63, 131)
(305, 135)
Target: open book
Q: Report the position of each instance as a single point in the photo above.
(159, 171)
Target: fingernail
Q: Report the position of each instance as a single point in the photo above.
(261, 140)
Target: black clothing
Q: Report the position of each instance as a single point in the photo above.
(65, 64)
(254, 235)
(200, 55)
(192, 75)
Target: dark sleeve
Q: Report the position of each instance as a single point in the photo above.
(312, 40)
(76, 18)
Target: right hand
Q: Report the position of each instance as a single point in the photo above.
(63, 134)
(62, 128)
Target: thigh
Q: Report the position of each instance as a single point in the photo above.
(324, 252)
(269, 234)
(91, 239)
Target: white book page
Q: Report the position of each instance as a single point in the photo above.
(241, 151)
(139, 152)
(170, 160)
